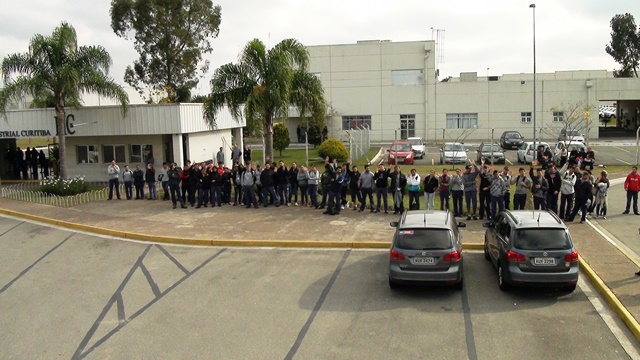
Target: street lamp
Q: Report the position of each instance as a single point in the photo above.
(533, 6)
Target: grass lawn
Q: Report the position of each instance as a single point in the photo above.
(299, 156)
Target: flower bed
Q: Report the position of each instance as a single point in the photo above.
(63, 187)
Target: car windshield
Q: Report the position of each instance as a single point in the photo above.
(513, 136)
(415, 141)
(424, 239)
(453, 147)
(489, 148)
(542, 239)
(401, 147)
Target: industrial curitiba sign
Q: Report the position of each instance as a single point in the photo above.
(25, 133)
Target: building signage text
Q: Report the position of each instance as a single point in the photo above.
(25, 133)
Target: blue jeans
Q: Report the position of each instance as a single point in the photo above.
(457, 202)
(334, 202)
(518, 201)
(249, 196)
(293, 192)
(283, 191)
(128, 189)
(203, 195)
(266, 191)
(364, 192)
(175, 194)
(313, 194)
(152, 191)
(496, 201)
(472, 202)
(216, 195)
(429, 203)
(382, 192)
(444, 200)
(165, 189)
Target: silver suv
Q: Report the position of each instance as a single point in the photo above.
(426, 249)
(531, 248)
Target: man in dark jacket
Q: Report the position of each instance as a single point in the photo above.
(335, 188)
(293, 184)
(381, 178)
(282, 182)
(138, 182)
(354, 178)
(583, 192)
(174, 185)
(325, 182)
(266, 178)
(554, 181)
(485, 191)
(216, 187)
(398, 183)
(539, 187)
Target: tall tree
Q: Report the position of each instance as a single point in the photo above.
(171, 37)
(307, 95)
(55, 65)
(625, 45)
(261, 84)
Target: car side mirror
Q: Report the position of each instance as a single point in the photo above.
(394, 224)
(486, 224)
(461, 224)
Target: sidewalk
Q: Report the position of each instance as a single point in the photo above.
(157, 218)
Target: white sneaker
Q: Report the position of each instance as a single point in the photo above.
(604, 218)
(342, 207)
(296, 204)
(347, 205)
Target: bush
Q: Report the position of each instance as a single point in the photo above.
(61, 187)
(333, 148)
(281, 137)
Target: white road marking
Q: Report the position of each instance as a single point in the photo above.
(614, 323)
(619, 148)
(509, 161)
(624, 249)
(624, 162)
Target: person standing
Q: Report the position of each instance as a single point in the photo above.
(266, 178)
(127, 178)
(632, 186)
(506, 177)
(150, 179)
(325, 182)
(220, 157)
(303, 183)
(496, 189)
(413, 185)
(398, 183)
(354, 179)
(583, 192)
(430, 185)
(44, 164)
(485, 191)
(299, 133)
(138, 182)
(114, 173)
(567, 191)
(457, 193)
(247, 180)
(34, 164)
(523, 184)
(173, 175)
(365, 185)
(602, 185)
(471, 189)
(314, 176)
(381, 178)
(236, 155)
(539, 188)
(184, 181)
(258, 173)
(246, 156)
(215, 194)
(293, 184)
(164, 180)
(555, 184)
(335, 189)
(282, 175)
(444, 181)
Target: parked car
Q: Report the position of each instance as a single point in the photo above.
(511, 140)
(400, 152)
(557, 151)
(426, 249)
(492, 153)
(417, 144)
(526, 152)
(571, 135)
(531, 248)
(452, 153)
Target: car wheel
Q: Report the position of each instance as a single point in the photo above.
(502, 284)
(486, 251)
(570, 288)
(459, 285)
(393, 285)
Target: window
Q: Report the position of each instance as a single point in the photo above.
(462, 121)
(542, 239)
(139, 153)
(525, 117)
(407, 126)
(558, 116)
(424, 239)
(88, 154)
(356, 122)
(113, 152)
(407, 77)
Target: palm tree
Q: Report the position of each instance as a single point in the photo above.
(56, 67)
(263, 82)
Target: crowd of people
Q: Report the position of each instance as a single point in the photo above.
(27, 165)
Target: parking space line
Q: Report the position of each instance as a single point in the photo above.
(619, 148)
(13, 227)
(624, 162)
(316, 308)
(468, 326)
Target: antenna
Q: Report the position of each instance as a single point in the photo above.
(540, 213)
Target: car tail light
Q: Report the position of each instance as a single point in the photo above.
(395, 255)
(573, 257)
(452, 256)
(515, 256)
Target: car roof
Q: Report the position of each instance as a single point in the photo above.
(400, 142)
(426, 219)
(452, 143)
(414, 137)
(511, 132)
(525, 219)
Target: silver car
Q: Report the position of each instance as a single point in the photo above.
(426, 249)
(531, 248)
(452, 153)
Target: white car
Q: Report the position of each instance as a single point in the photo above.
(417, 144)
(571, 135)
(526, 152)
(557, 152)
(453, 152)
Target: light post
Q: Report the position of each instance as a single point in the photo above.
(533, 6)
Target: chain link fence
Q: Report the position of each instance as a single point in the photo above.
(359, 142)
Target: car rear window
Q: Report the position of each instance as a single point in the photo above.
(513, 136)
(401, 147)
(424, 239)
(542, 239)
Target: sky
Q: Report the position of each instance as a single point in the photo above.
(488, 37)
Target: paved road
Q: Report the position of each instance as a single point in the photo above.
(67, 295)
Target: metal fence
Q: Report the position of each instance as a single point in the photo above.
(28, 192)
(359, 142)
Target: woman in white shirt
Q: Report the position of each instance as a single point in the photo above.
(413, 185)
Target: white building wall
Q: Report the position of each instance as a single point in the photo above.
(204, 146)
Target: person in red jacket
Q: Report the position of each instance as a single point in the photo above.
(632, 186)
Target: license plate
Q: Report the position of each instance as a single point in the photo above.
(544, 261)
(423, 261)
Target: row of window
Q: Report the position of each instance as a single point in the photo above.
(90, 154)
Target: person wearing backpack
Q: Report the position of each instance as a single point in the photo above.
(539, 187)
(602, 185)
(523, 184)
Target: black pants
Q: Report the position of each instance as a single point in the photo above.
(566, 205)
(175, 194)
(382, 192)
(114, 183)
(139, 190)
(457, 196)
(128, 189)
(632, 195)
(518, 201)
(414, 199)
(552, 202)
(507, 200)
(364, 192)
(539, 203)
(485, 203)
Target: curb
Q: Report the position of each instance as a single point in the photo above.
(611, 298)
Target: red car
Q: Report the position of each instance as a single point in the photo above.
(400, 153)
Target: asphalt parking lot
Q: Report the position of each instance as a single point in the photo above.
(66, 295)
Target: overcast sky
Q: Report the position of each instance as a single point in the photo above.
(497, 34)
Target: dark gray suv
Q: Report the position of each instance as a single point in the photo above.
(531, 248)
(426, 249)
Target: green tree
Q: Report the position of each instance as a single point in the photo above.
(625, 45)
(281, 139)
(171, 36)
(55, 65)
(307, 95)
(262, 81)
